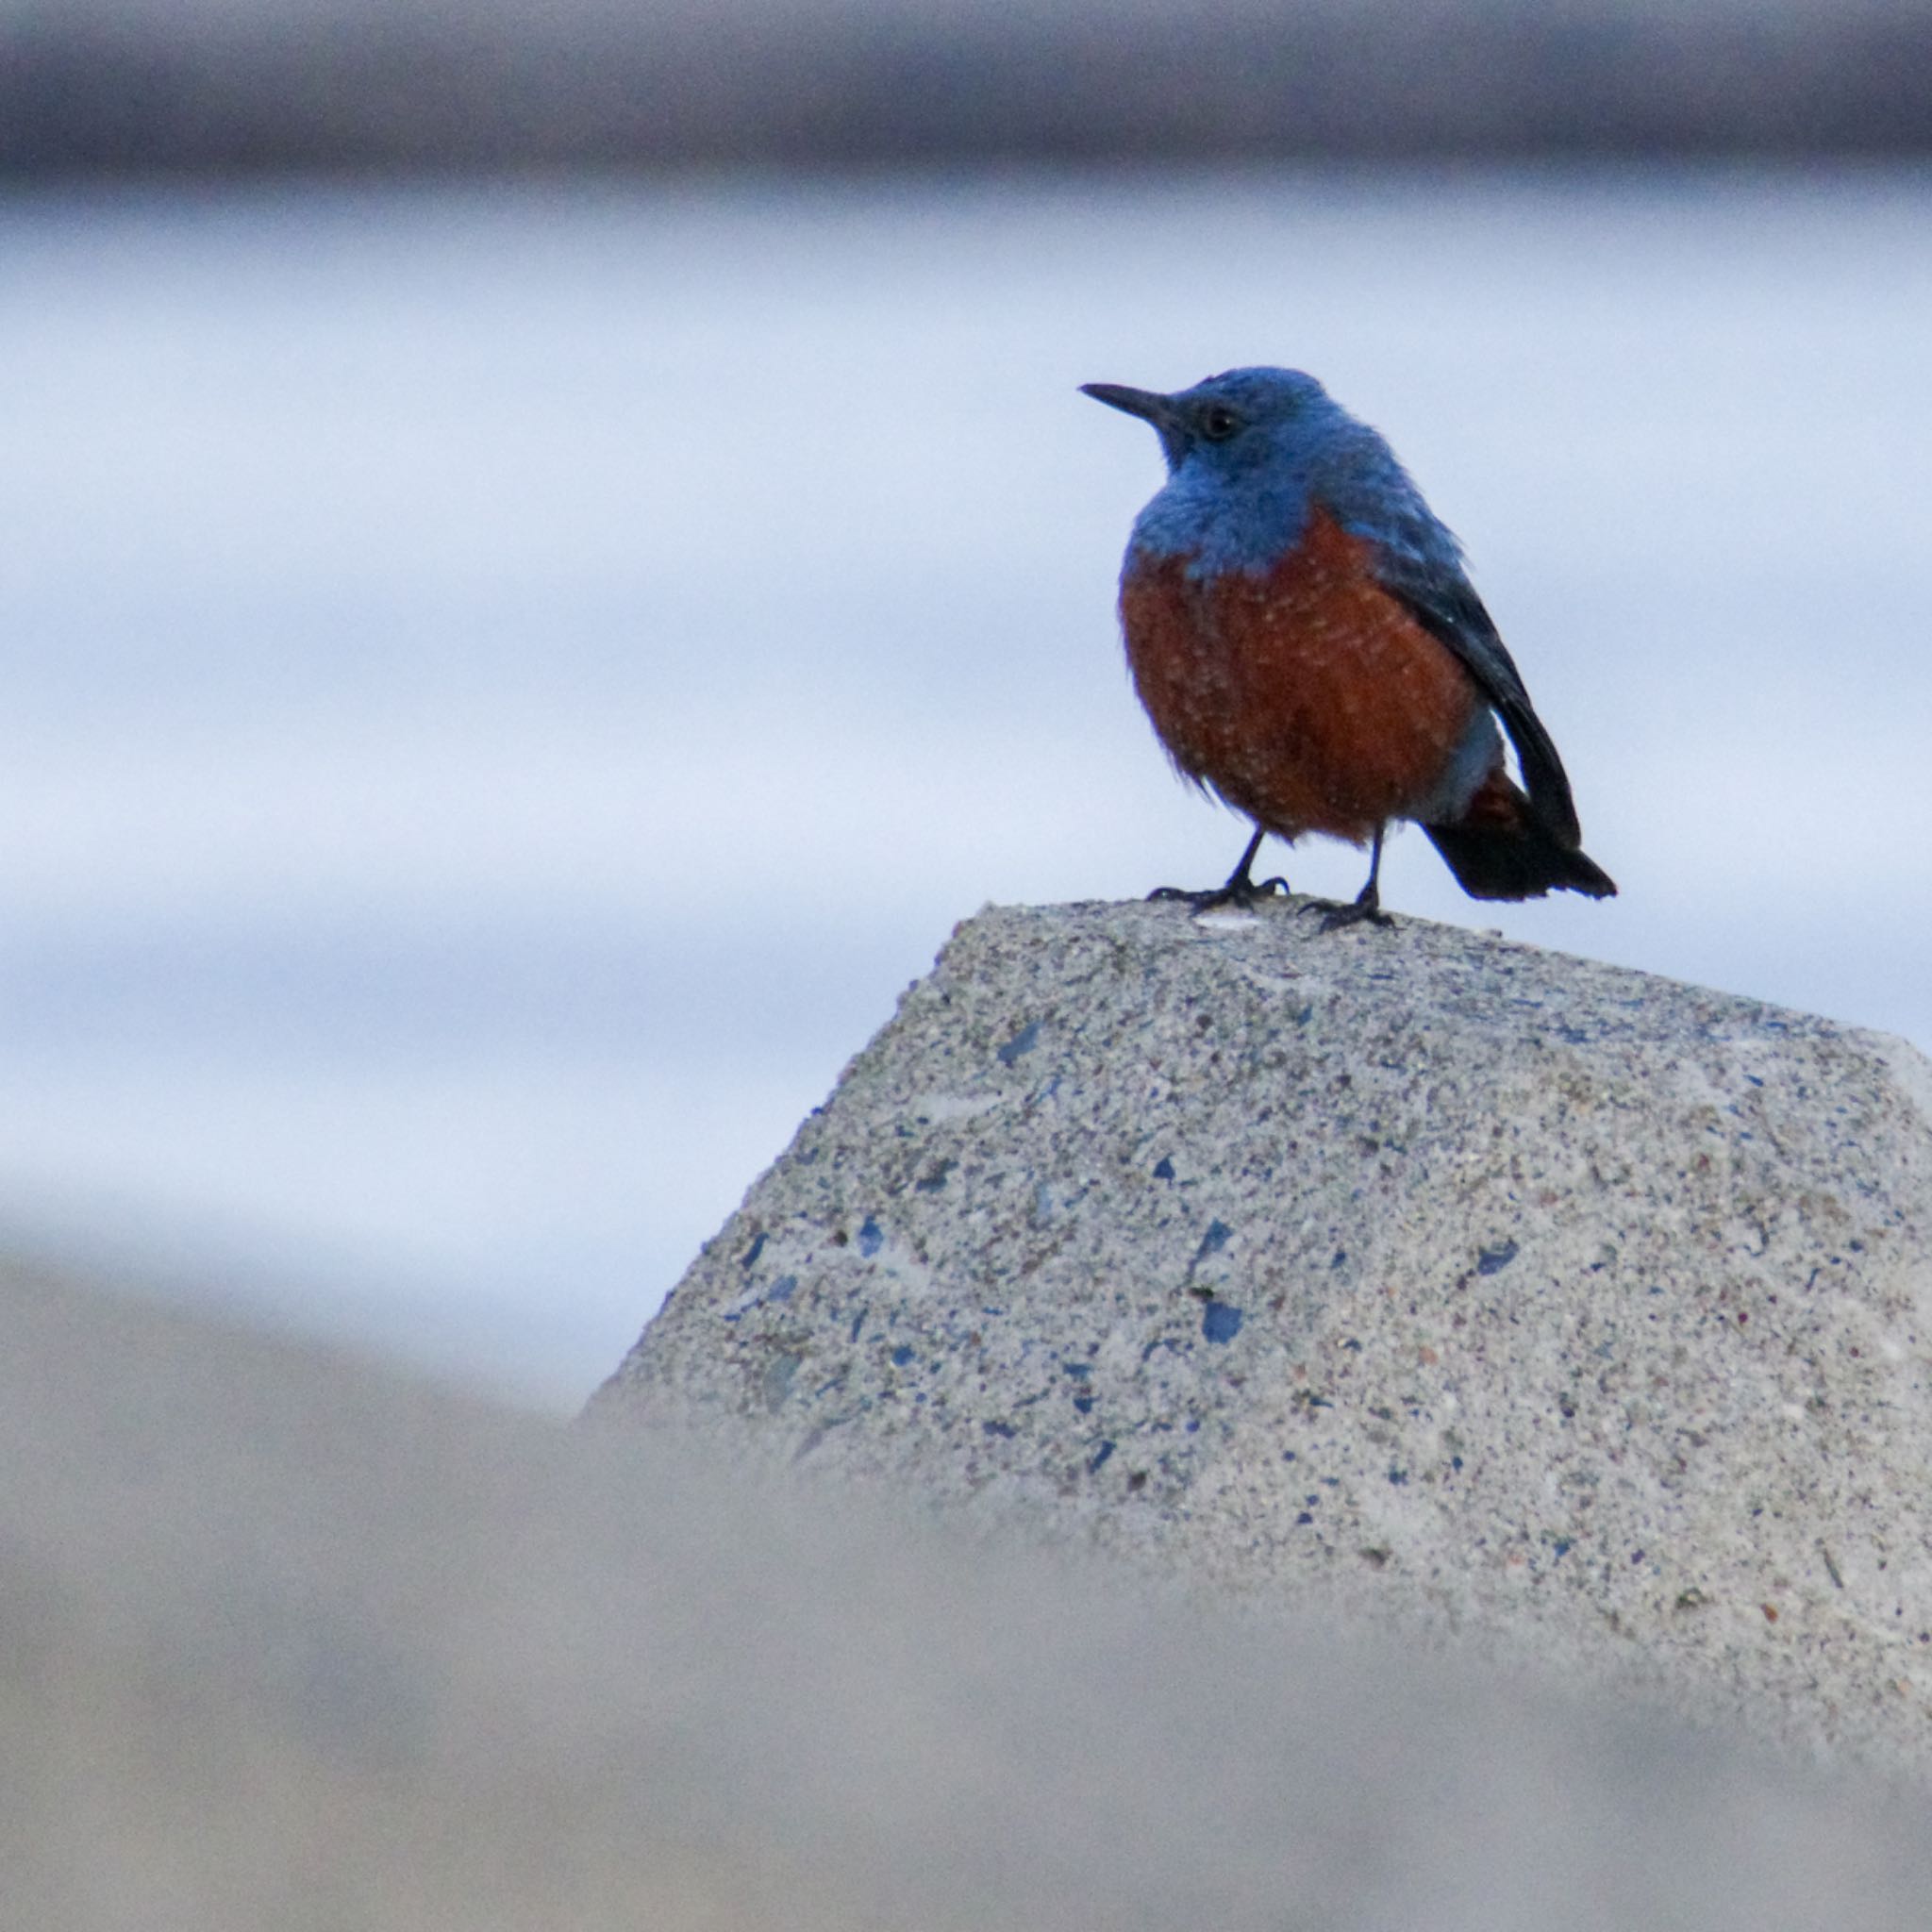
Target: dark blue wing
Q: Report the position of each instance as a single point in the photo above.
(1446, 605)
(1418, 561)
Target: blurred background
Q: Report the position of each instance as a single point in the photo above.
(550, 555)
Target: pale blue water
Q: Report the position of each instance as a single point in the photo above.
(503, 688)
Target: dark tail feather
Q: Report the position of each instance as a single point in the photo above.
(1502, 850)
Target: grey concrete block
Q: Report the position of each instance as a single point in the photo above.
(1403, 1271)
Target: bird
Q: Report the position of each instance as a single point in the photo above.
(1302, 631)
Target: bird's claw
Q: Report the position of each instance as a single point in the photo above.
(1241, 893)
(1366, 910)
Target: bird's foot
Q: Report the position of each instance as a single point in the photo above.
(1363, 909)
(1240, 892)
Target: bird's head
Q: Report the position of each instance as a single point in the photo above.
(1232, 424)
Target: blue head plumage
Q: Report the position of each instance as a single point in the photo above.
(1250, 453)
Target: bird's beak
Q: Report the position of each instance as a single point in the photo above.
(1144, 403)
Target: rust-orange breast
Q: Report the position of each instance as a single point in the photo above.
(1306, 696)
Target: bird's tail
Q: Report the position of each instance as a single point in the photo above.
(1500, 849)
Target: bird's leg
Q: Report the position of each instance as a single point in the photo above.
(1240, 888)
(1367, 904)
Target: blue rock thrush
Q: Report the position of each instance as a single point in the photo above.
(1303, 635)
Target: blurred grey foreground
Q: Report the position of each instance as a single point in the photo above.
(289, 1642)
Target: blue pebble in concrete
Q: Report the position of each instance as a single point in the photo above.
(1221, 1321)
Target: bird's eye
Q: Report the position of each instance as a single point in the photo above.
(1218, 421)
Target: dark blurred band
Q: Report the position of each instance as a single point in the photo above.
(136, 86)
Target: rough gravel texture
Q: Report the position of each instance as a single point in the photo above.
(1401, 1270)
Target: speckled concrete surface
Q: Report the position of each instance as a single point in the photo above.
(1403, 1270)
